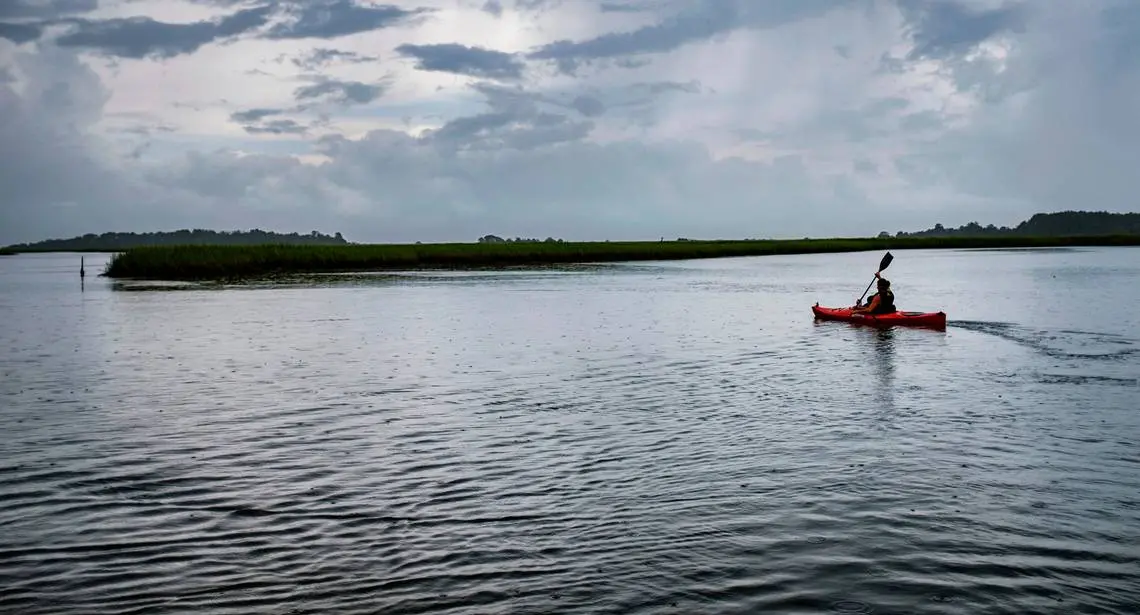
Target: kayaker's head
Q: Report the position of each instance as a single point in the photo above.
(884, 284)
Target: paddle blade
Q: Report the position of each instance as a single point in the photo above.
(886, 262)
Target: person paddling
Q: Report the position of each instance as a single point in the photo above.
(882, 302)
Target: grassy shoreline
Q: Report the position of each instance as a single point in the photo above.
(203, 263)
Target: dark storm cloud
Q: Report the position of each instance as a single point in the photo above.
(947, 28)
(343, 92)
(1121, 25)
(493, 7)
(336, 18)
(254, 121)
(708, 19)
(253, 115)
(44, 9)
(49, 170)
(504, 130)
(261, 121)
(661, 87)
(627, 7)
(142, 37)
(464, 128)
(276, 127)
(1073, 139)
(664, 36)
(588, 106)
(319, 58)
(514, 121)
(464, 60)
(517, 101)
(20, 33)
(525, 168)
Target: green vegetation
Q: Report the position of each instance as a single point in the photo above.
(212, 255)
(232, 262)
(497, 239)
(115, 242)
(6, 252)
(1059, 224)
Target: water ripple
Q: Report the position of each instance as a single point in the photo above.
(433, 447)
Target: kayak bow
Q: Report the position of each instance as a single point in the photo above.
(935, 320)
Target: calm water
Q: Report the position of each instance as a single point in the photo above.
(649, 438)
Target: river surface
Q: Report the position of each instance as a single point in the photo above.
(668, 437)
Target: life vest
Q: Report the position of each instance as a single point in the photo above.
(886, 302)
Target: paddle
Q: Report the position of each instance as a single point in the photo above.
(883, 264)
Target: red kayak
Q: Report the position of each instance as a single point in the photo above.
(936, 320)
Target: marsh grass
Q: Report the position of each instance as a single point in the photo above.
(200, 262)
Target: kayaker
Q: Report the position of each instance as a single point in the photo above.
(882, 302)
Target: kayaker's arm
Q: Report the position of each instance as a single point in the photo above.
(872, 304)
(869, 307)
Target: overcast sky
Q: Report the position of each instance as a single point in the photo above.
(583, 119)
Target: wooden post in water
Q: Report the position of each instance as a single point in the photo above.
(82, 272)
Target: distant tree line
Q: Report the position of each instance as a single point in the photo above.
(121, 241)
(497, 239)
(1059, 224)
(1064, 223)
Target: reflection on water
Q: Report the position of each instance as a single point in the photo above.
(883, 356)
(652, 438)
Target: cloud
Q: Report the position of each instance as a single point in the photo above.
(464, 60)
(44, 9)
(701, 22)
(672, 33)
(53, 175)
(1064, 136)
(514, 120)
(20, 33)
(516, 99)
(276, 127)
(253, 115)
(629, 7)
(537, 5)
(143, 37)
(503, 130)
(390, 186)
(493, 7)
(659, 87)
(341, 92)
(951, 27)
(322, 57)
(262, 121)
(330, 19)
(696, 118)
(588, 106)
